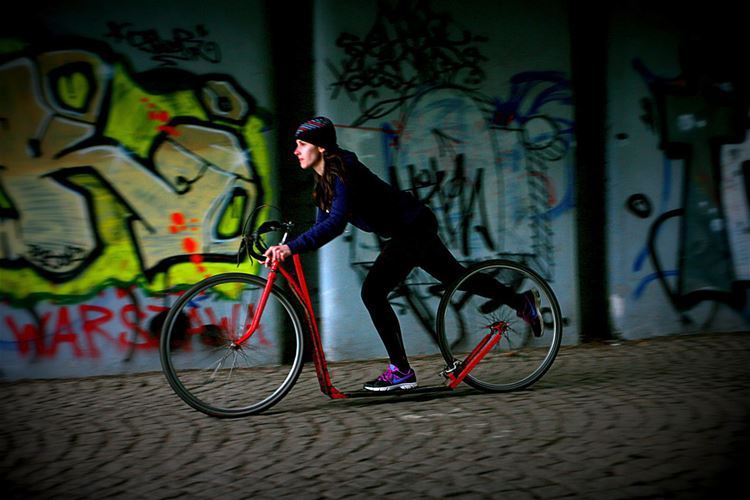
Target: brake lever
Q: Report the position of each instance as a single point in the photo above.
(245, 245)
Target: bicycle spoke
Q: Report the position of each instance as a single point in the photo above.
(218, 365)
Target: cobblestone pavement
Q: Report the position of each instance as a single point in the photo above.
(663, 418)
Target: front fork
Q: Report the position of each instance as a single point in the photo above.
(250, 329)
(455, 373)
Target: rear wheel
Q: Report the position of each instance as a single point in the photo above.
(464, 318)
(205, 366)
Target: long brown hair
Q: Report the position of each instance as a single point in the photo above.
(325, 185)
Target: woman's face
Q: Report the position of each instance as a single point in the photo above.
(309, 156)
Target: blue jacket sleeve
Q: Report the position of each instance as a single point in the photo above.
(328, 225)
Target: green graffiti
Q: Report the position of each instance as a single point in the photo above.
(136, 115)
(142, 188)
(73, 90)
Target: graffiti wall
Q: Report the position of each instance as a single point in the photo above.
(135, 140)
(132, 146)
(469, 109)
(678, 169)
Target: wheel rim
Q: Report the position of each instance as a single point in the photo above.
(208, 369)
(519, 358)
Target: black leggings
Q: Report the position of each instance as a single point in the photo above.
(418, 246)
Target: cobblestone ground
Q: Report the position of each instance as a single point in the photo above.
(663, 418)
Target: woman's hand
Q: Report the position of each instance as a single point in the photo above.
(276, 253)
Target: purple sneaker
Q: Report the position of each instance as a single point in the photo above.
(393, 378)
(530, 311)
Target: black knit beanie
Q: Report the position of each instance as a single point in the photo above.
(318, 131)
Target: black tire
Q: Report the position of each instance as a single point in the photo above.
(520, 358)
(214, 375)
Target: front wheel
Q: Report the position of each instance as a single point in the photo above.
(205, 366)
(465, 317)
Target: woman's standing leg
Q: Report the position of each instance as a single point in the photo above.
(392, 266)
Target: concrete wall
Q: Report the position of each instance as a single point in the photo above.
(133, 138)
(679, 234)
(480, 126)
